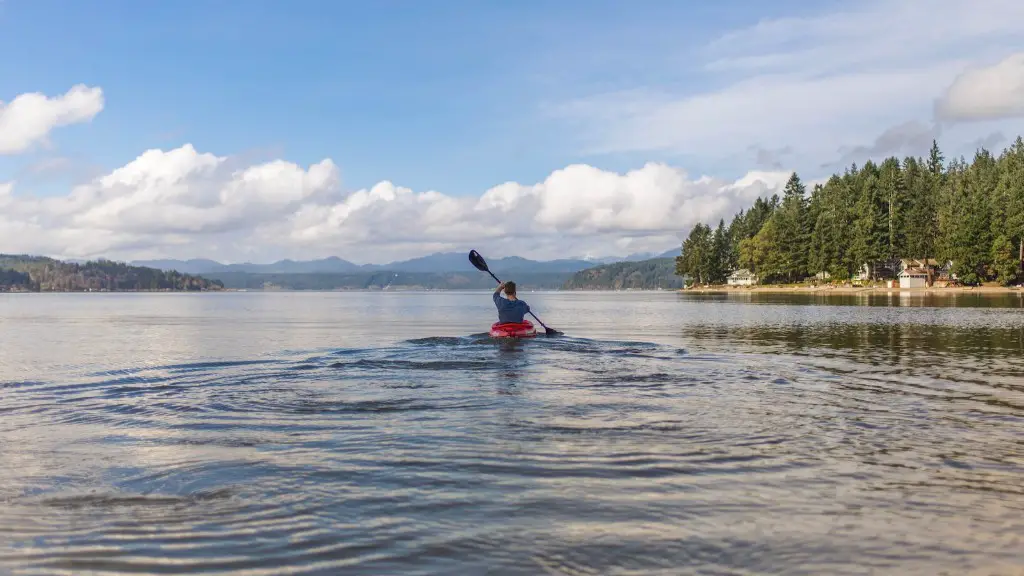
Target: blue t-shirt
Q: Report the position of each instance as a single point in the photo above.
(510, 310)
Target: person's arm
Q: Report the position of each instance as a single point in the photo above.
(499, 288)
(497, 296)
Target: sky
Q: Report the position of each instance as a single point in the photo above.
(255, 130)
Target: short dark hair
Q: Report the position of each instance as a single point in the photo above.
(510, 288)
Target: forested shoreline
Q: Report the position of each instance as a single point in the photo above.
(20, 273)
(968, 214)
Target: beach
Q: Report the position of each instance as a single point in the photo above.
(847, 290)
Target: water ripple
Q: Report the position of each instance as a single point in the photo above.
(767, 449)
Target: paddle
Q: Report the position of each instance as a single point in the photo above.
(478, 261)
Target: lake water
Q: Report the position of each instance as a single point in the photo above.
(381, 433)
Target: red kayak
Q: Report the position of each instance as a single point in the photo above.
(522, 329)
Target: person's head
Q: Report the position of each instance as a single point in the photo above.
(510, 288)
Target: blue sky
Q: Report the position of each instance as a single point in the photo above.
(460, 97)
(443, 95)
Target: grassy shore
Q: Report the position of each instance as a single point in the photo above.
(849, 289)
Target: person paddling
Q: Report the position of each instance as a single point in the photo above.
(511, 310)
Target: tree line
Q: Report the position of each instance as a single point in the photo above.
(40, 274)
(969, 214)
(653, 274)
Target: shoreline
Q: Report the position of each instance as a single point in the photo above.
(852, 291)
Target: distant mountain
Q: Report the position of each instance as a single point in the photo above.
(194, 266)
(437, 262)
(385, 280)
(652, 274)
(637, 257)
(23, 273)
(331, 264)
(434, 263)
(204, 266)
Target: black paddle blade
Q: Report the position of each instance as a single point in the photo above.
(477, 260)
(552, 332)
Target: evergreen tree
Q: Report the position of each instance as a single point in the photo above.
(832, 230)
(696, 259)
(935, 159)
(870, 229)
(719, 261)
(921, 224)
(791, 225)
(1008, 215)
(895, 201)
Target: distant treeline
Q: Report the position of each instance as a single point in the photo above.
(470, 280)
(969, 214)
(40, 274)
(653, 274)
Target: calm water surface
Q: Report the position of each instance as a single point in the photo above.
(381, 433)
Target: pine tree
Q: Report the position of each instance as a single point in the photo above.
(719, 261)
(895, 201)
(1008, 214)
(791, 226)
(832, 231)
(870, 230)
(935, 159)
(921, 224)
(697, 255)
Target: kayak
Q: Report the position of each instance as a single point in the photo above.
(522, 329)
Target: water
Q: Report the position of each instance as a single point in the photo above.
(380, 433)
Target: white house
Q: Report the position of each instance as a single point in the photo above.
(913, 278)
(742, 277)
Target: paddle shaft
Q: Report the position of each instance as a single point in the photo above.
(530, 312)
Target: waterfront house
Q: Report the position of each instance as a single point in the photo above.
(742, 277)
(914, 278)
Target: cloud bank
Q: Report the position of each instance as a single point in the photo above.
(186, 203)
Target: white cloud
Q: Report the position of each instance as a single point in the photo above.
(183, 203)
(987, 93)
(29, 118)
(814, 84)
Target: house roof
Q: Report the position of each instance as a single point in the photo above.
(917, 262)
(914, 272)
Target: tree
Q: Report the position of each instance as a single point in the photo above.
(921, 224)
(718, 267)
(1008, 210)
(762, 254)
(832, 230)
(870, 230)
(894, 193)
(696, 257)
(791, 230)
(935, 159)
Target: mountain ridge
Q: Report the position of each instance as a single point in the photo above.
(439, 262)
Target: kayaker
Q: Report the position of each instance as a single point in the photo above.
(511, 310)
